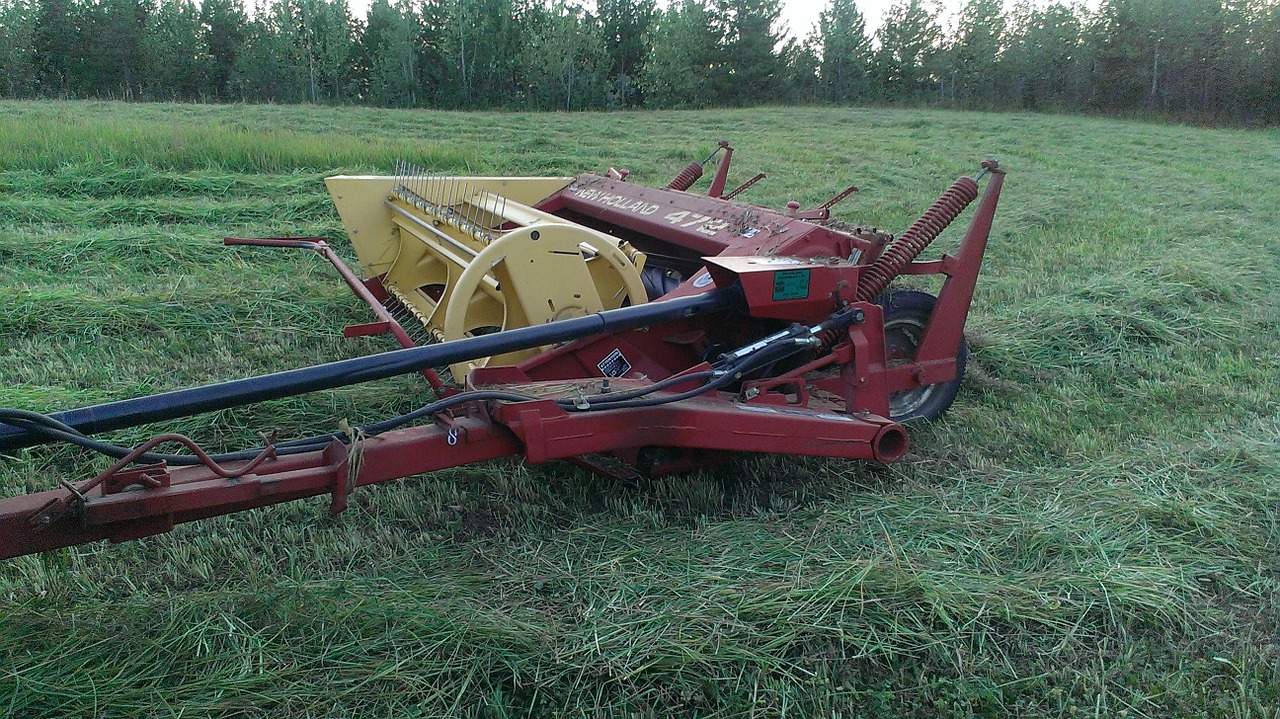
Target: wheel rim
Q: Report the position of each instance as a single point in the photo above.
(901, 340)
(505, 307)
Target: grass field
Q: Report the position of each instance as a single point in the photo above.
(1093, 530)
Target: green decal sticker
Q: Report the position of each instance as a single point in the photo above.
(790, 284)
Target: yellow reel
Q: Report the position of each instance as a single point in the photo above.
(473, 255)
(543, 273)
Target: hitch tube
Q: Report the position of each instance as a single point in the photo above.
(289, 383)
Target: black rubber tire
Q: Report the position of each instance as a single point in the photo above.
(906, 313)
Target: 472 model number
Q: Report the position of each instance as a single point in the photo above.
(703, 224)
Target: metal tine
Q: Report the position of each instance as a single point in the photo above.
(472, 208)
(464, 191)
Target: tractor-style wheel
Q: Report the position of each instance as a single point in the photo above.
(906, 314)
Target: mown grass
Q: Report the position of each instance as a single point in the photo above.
(1093, 529)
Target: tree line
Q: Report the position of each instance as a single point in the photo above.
(1208, 59)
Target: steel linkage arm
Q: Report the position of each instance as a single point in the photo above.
(941, 338)
(150, 500)
(385, 324)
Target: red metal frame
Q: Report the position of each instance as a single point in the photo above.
(835, 403)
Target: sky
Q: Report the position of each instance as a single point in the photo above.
(802, 15)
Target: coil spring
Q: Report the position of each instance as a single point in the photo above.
(686, 178)
(897, 256)
(828, 338)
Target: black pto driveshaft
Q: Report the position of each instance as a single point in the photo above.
(237, 393)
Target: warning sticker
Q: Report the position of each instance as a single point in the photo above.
(615, 365)
(790, 284)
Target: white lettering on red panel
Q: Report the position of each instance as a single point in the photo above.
(702, 224)
(618, 202)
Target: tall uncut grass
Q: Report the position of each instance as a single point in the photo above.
(1092, 530)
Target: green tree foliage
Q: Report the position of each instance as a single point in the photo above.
(325, 34)
(563, 58)
(176, 64)
(431, 53)
(800, 82)
(980, 38)
(624, 25)
(56, 44)
(388, 56)
(114, 46)
(685, 68)
(17, 54)
(1259, 90)
(483, 41)
(910, 40)
(1202, 59)
(749, 34)
(1127, 40)
(846, 53)
(222, 26)
(270, 67)
(1044, 60)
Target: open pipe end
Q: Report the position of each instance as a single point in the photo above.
(890, 443)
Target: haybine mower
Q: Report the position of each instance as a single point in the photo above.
(631, 330)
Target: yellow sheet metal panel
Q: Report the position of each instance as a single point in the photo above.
(359, 201)
(469, 255)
